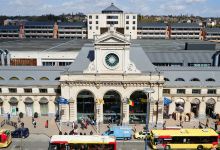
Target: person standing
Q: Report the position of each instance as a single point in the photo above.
(9, 116)
(46, 124)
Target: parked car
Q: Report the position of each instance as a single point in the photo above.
(20, 133)
(141, 135)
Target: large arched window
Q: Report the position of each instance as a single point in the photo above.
(179, 79)
(14, 78)
(166, 79)
(44, 78)
(29, 78)
(210, 80)
(194, 79)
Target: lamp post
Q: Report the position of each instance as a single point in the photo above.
(148, 92)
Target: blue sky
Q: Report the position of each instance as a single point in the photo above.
(147, 7)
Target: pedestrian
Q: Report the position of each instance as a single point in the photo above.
(65, 133)
(22, 124)
(216, 126)
(73, 125)
(32, 119)
(9, 116)
(207, 123)
(46, 124)
(80, 133)
(84, 133)
(200, 126)
(34, 123)
(60, 133)
(164, 124)
(91, 133)
(19, 119)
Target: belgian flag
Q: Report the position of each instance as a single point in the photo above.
(131, 103)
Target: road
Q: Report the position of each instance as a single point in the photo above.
(41, 142)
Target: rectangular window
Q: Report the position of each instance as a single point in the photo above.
(211, 91)
(133, 28)
(90, 17)
(27, 90)
(48, 63)
(196, 91)
(43, 90)
(127, 17)
(181, 91)
(58, 91)
(166, 91)
(134, 22)
(112, 22)
(97, 28)
(127, 28)
(90, 22)
(0, 90)
(97, 22)
(90, 27)
(127, 22)
(12, 90)
(134, 17)
(112, 17)
(97, 17)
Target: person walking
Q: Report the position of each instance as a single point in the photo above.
(9, 117)
(207, 123)
(46, 124)
(91, 133)
(34, 123)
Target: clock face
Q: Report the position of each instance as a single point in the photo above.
(111, 60)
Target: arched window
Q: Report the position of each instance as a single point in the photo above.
(195, 79)
(29, 78)
(44, 78)
(166, 79)
(14, 78)
(210, 80)
(179, 79)
(58, 78)
(1, 78)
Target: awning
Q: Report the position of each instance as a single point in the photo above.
(166, 101)
(13, 100)
(43, 100)
(28, 100)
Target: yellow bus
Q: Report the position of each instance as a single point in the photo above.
(184, 139)
(82, 142)
(5, 138)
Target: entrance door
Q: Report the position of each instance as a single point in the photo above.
(209, 109)
(29, 110)
(13, 110)
(195, 109)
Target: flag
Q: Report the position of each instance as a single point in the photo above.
(131, 103)
(62, 100)
(143, 100)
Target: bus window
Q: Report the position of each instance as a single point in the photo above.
(58, 147)
(91, 147)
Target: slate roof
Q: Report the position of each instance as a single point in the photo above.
(188, 73)
(36, 72)
(185, 25)
(9, 27)
(151, 25)
(86, 55)
(71, 24)
(38, 23)
(112, 9)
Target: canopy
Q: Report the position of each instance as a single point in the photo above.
(166, 101)
(62, 100)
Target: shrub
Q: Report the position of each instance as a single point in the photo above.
(35, 115)
(21, 115)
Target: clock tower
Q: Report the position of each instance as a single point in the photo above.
(112, 54)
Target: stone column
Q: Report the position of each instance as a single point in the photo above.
(202, 108)
(160, 115)
(21, 106)
(125, 113)
(72, 110)
(36, 105)
(152, 120)
(217, 106)
(172, 107)
(187, 107)
(6, 105)
(64, 108)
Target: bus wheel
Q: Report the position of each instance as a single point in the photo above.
(167, 147)
(200, 147)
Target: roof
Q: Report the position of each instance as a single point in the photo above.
(9, 27)
(82, 139)
(151, 25)
(185, 25)
(86, 56)
(185, 132)
(112, 9)
(38, 23)
(71, 24)
(188, 73)
(35, 72)
(209, 30)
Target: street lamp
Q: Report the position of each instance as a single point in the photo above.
(148, 92)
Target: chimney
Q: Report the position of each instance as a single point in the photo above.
(168, 32)
(21, 31)
(55, 30)
(202, 34)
